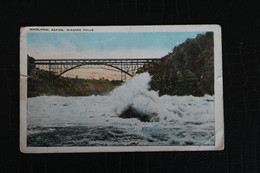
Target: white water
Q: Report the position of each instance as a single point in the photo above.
(177, 120)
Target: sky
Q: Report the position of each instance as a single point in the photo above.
(104, 45)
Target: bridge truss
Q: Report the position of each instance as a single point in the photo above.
(124, 66)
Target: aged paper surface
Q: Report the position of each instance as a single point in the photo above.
(121, 88)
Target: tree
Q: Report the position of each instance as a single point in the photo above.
(187, 70)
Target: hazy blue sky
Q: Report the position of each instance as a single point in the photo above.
(104, 45)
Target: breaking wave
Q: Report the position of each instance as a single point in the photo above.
(135, 95)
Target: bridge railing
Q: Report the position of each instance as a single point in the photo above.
(92, 61)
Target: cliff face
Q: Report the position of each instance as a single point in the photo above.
(187, 70)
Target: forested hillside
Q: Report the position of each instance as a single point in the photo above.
(187, 70)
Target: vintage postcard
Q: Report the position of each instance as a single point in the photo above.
(121, 88)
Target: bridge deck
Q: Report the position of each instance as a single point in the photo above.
(93, 61)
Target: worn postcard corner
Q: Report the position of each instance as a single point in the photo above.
(121, 88)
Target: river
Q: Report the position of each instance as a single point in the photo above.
(106, 120)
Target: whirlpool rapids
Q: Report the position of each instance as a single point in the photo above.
(129, 115)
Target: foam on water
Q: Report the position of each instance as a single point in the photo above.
(135, 93)
(178, 118)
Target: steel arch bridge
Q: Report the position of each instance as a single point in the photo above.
(125, 66)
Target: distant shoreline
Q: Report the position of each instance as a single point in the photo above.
(44, 83)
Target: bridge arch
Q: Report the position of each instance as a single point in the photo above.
(109, 65)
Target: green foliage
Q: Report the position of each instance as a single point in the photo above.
(187, 70)
(31, 65)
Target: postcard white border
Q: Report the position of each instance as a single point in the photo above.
(218, 87)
